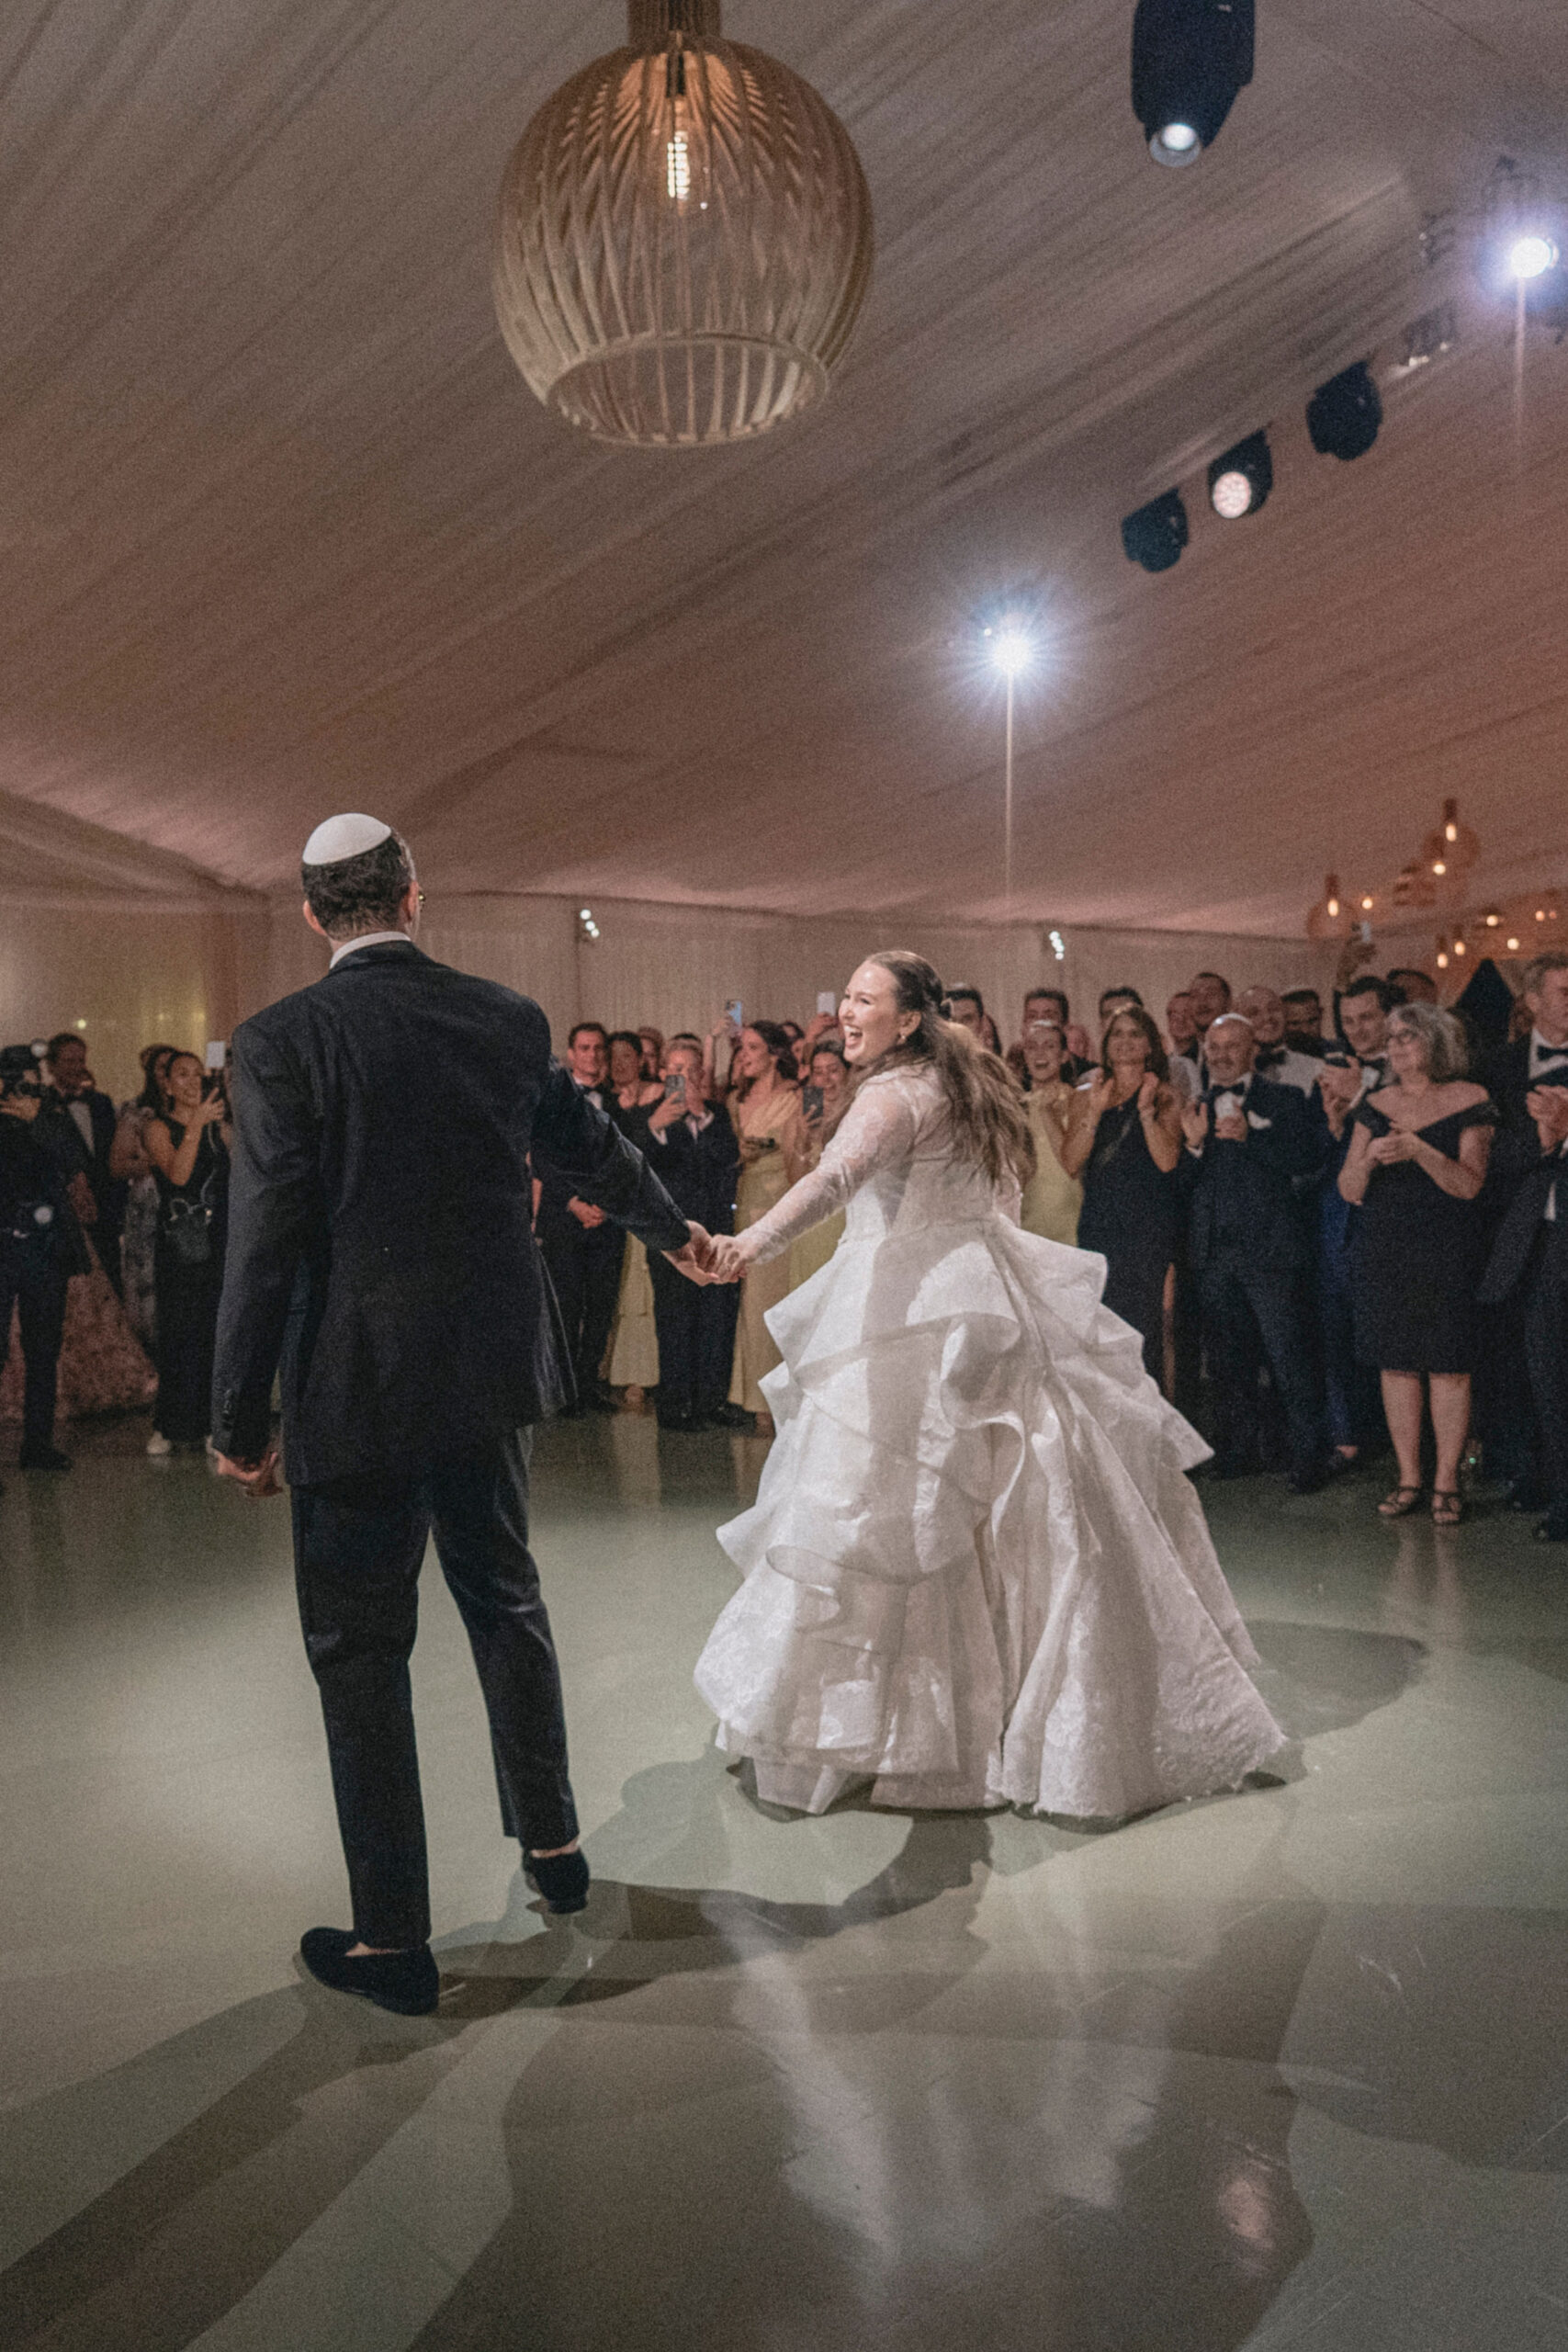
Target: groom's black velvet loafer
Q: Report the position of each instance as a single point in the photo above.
(561, 1879)
(405, 1982)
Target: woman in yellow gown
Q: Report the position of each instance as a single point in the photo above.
(764, 1104)
(631, 1359)
(1052, 1199)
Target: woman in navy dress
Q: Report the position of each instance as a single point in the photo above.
(1416, 1164)
(1123, 1138)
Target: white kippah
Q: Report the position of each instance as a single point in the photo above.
(343, 837)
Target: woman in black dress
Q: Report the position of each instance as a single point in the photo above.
(1415, 1167)
(189, 1154)
(1123, 1138)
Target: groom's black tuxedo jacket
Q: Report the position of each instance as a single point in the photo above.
(380, 1237)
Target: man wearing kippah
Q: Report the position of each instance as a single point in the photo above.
(380, 1249)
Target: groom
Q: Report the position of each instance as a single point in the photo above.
(380, 1246)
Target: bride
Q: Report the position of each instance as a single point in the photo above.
(975, 1572)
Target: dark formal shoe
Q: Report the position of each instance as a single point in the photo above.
(686, 1422)
(561, 1879)
(1553, 1528)
(43, 1457)
(1309, 1482)
(734, 1417)
(404, 1982)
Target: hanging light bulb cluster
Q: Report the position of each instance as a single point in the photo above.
(1438, 871)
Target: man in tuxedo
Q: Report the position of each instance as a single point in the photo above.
(1525, 1282)
(1303, 1022)
(1351, 1392)
(583, 1252)
(1276, 1059)
(380, 1245)
(77, 1124)
(1209, 996)
(1253, 1151)
(697, 1156)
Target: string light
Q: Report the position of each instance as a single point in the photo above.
(678, 168)
(1334, 909)
(1442, 959)
(1513, 946)
(1366, 906)
(1440, 866)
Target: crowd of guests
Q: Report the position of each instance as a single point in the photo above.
(1335, 1227)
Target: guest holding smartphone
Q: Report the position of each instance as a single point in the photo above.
(187, 1144)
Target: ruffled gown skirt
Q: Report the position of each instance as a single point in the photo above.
(975, 1572)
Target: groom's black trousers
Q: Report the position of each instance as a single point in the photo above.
(358, 1546)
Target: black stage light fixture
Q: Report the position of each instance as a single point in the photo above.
(1240, 481)
(1156, 534)
(1344, 415)
(1191, 60)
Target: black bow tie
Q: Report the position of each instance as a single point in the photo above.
(1552, 1057)
(1270, 1057)
(1239, 1089)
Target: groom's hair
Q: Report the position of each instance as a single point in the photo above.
(361, 893)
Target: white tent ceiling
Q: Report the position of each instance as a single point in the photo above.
(286, 532)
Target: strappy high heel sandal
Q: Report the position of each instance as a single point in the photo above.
(1448, 1506)
(1400, 1503)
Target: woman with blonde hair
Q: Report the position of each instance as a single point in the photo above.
(975, 1573)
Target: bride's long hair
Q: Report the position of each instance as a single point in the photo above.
(984, 1107)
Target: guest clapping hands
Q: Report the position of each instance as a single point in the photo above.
(1124, 1137)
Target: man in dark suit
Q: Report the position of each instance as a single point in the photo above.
(1354, 1410)
(1253, 1151)
(380, 1245)
(697, 1156)
(1526, 1282)
(78, 1122)
(40, 1248)
(583, 1252)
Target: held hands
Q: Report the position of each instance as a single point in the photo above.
(587, 1215)
(259, 1479)
(1547, 1106)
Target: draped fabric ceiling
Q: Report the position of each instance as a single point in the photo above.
(286, 532)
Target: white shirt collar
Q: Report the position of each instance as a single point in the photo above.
(369, 939)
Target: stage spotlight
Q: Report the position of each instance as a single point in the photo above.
(1009, 647)
(1240, 481)
(1344, 415)
(1156, 534)
(1531, 256)
(1190, 60)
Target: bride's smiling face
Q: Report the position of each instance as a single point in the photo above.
(870, 1018)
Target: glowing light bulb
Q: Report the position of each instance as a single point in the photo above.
(1531, 256)
(1333, 909)
(1010, 647)
(678, 168)
(1459, 947)
(1439, 865)
(1176, 143)
(1450, 830)
(1366, 906)
(1513, 946)
(1493, 922)
(1443, 962)
(1540, 914)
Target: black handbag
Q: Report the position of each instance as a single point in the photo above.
(188, 1228)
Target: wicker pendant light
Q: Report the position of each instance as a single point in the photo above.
(684, 240)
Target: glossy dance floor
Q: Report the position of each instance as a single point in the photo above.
(1285, 2069)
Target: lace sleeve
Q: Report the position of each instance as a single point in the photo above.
(878, 1130)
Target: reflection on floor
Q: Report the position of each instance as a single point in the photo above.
(1284, 2069)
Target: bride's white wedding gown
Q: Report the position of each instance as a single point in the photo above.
(974, 1572)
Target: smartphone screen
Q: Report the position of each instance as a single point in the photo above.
(826, 1002)
(811, 1102)
(216, 1053)
(734, 1011)
(675, 1086)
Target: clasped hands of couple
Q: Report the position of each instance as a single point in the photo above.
(706, 1258)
